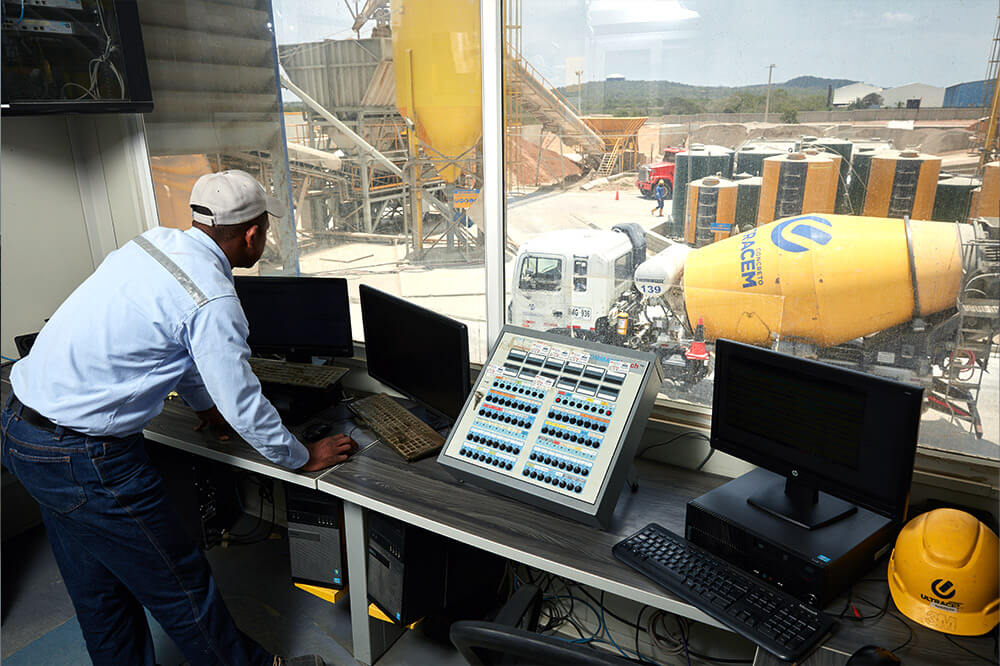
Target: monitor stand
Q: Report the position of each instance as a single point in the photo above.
(800, 504)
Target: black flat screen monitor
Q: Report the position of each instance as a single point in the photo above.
(298, 317)
(420, 353)
(825, 428)
(73, 56)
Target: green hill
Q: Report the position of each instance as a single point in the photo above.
(646, 98)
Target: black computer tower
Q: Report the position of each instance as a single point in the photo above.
(814, 565)
(315, 537)
(406, 569)
(202, 492)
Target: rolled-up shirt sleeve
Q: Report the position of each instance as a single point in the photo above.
(215, 336)
(192, 390)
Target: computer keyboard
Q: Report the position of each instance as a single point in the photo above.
(307, 375)
(771, 618)
(396, 426)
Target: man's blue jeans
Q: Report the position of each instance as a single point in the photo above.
(120, 546)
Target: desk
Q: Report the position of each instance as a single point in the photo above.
(426, 495)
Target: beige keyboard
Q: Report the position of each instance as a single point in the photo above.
(307, 375)
(396, 426)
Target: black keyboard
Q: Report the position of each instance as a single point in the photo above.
(771, 618)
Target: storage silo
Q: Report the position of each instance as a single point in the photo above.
(697, 162)
(797, 183)
(844, 148)
(986, 198)
(902, 183)
(711, 210)
(747, 198)
(750, 157)
(953, 199)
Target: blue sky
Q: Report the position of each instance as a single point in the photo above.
(727, 42)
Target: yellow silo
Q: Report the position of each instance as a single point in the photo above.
(822, 278)
(902, 183)
(435, 47)
(711, 210)
(798, 183)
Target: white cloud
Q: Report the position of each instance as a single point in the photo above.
(898, 17)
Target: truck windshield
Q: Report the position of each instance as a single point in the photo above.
(540, 274)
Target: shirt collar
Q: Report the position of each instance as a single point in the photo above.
(206, 240)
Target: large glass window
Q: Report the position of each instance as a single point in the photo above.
(787, 186)
(216, 106)
(383, 118)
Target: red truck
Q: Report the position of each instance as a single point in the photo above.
(650, 174)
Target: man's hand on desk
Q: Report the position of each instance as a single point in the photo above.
(328, 451)
(213, 420)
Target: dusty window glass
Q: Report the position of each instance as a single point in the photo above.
(823, 192)
(383, 119)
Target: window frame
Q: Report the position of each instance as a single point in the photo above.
(932, 466)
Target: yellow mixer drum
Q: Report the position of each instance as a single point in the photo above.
(435, 49)
(798, 183)
(710, 211)
(901, 183)
(822, 278)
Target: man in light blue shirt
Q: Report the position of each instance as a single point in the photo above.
(159, 314)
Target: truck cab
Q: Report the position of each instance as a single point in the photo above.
(652, 173)
(568, 280)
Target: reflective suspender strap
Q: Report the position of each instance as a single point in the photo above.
(182, 278)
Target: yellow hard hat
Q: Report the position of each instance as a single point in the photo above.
(943, 573)
(660, 182)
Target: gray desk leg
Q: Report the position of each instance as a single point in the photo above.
(371, 637)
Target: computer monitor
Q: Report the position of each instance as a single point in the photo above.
(298, 317)
(825, 428)
(420, 353)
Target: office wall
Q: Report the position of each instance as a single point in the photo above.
(72, 189)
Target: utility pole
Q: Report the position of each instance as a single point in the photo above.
(767, 100)
(579, 92)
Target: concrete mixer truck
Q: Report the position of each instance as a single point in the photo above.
(908, 299)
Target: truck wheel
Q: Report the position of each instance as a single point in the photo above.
(669, 190)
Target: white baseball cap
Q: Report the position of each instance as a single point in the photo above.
(233, 197)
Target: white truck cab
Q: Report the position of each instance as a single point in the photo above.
(569, 279)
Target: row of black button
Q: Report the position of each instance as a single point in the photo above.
(553, 480)
(585, 406)
(561, 464)
(507, 402)
(506, 418)
(526, 391)
(582, 421)
(570, 437)
(486, 458)
(488, 441)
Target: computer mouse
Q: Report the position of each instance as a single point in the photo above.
(316, 431)
(872, 655)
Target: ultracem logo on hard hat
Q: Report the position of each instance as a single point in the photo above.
(806, 231)
(943, 589)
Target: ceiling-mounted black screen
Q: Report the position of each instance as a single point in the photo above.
(73, 56)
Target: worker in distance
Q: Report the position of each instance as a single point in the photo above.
(159, 314)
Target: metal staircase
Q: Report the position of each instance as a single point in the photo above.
(610, 160)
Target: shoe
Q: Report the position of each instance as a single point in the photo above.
(304, 660)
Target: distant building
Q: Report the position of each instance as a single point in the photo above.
(844, 95)
(913, 96)
(970, 93)
(615, 77)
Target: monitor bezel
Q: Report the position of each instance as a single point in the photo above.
(278, 281)
(365, 292)
(878, 467)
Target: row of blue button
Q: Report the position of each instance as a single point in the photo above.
(506, 418)
(580, 420)
(507, 402)
(543, 457)
(570, 437)
(584, 405)
(553, 480)
(503, 446)
(526, 391)
(496, 461)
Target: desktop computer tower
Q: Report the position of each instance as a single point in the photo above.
(813, 565)
(406, 569)
(315, 537)
(414, 574)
